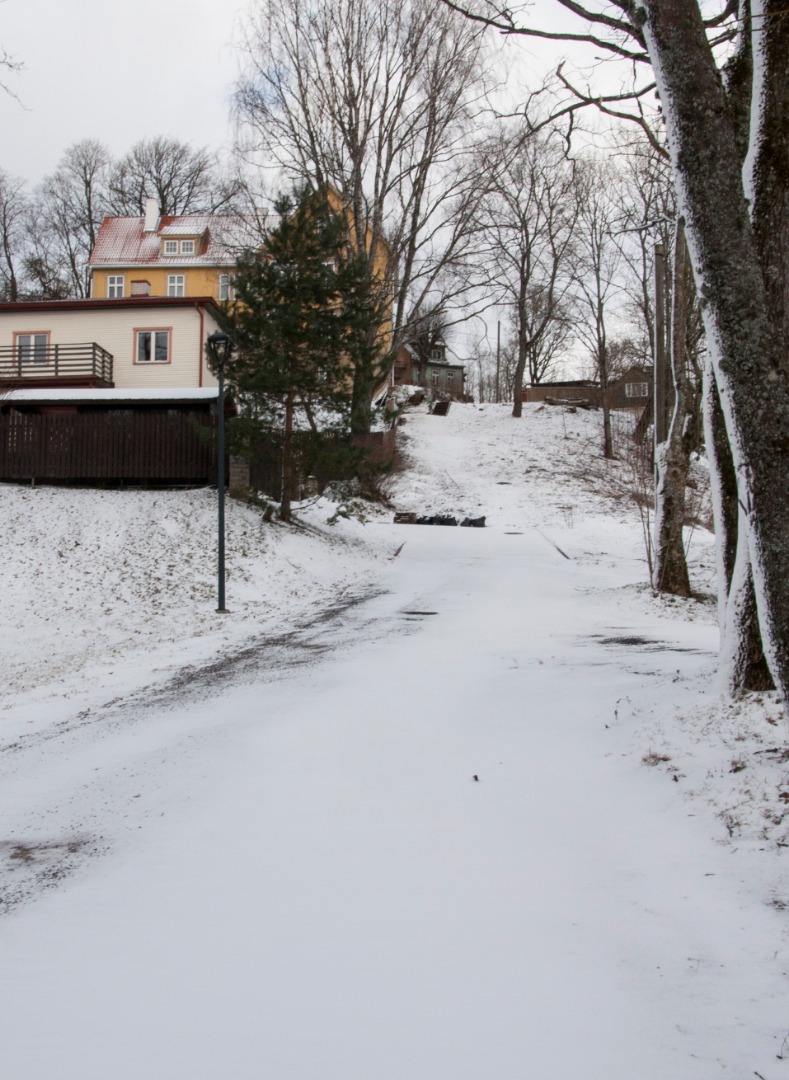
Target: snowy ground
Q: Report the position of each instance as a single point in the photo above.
(429, 804)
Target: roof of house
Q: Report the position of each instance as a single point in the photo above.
(637, 371)
(123, 241)
(410, 349)
(30, 306)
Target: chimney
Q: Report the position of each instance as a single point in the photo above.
(151, 215)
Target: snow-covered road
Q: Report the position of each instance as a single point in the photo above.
(298, 875)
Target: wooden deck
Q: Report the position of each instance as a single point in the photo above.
(83, 365)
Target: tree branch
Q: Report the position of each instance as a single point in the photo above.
(505, 24)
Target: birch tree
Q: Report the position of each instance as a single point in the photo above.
(377, 100)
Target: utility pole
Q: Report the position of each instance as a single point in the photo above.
(498, 359)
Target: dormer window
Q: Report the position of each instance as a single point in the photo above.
(437, 354)
(179, 247)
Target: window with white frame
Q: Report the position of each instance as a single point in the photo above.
(32, 348)
(187, 247)
(450, 378)
(225, 287)
(636, 390)
(435, 377)
(170, 247)
(115, 284)
(176, 284)
(153, 347)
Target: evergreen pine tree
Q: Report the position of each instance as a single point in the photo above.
(301, 321)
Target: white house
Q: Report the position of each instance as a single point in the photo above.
(135, 343)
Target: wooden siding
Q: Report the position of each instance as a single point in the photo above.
(617, 394)
(198, 280)
(117, 445)
(114, 329)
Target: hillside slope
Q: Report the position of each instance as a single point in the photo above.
(430, 802)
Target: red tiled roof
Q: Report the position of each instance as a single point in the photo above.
(122, 241)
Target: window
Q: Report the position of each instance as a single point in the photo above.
(176, 284)
(115, 286)
(636, 389)
(437, 354)
(435, 377)
(187, 247)
(450, 378)
(170, 247)
(225, 287)
(32, 348)
(153, 347)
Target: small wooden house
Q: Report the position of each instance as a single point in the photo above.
(429, 367)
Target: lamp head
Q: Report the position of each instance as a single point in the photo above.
(220, 346)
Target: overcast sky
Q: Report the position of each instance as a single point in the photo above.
(114, 73)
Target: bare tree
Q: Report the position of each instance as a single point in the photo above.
(646, 216)
(182, 179)
(375, 99)
(647, 223)
(10, 64)
(66, 213)
(598, 284)
(13, 213)
(529, 214)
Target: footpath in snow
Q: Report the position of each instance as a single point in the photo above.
(431, 803)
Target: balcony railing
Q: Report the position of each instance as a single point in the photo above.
(84, 363)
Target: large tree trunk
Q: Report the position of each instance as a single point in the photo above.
(746, 346)
(517, 380)
(287, 459)
(672, 457)
(770, 176)
(608, 435)
(362, 401)
(742, 662)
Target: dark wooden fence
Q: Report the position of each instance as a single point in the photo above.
(144, 446)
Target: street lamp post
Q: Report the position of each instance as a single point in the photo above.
(220, 346)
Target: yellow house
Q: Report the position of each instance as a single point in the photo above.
(177, 256)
